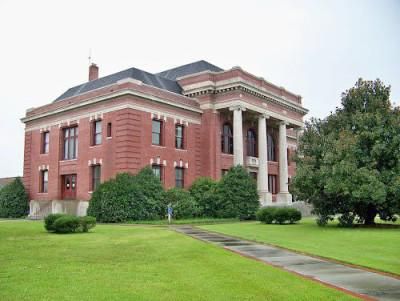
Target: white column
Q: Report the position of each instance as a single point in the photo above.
(283, 196)
(262, 177)
(237, 135)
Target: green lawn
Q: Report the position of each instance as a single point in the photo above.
(136, 263)
(375, 248)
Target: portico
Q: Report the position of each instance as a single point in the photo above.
(264, 120)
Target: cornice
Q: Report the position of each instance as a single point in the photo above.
(244, 86)
(105, 97)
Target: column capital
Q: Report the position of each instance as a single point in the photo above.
(284, 122)
(263, 116)
(237, 108)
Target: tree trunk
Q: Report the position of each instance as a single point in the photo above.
(370, 215)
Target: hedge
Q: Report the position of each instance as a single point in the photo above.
(63, 223)
(279, 215)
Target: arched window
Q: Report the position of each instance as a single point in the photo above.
(251, 143)
(227, 139)
(271, 148)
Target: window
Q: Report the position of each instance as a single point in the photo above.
(157, 171)
(288, 156)
(156, 132)
(179, 177)
(227, 139)
(179, 136)
(253, 175)
(271, 148)
(96, 131)
(96, 176)
(45, 142)
(224, 172)
(70, 143)
(44, 180)
(272, 184)
(251, 143)
(109, 130)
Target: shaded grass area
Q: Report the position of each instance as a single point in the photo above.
(376, 248)
(136, 263)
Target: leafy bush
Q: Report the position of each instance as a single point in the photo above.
(279, 215)
(14, 201)
(182, 202)
(66, 224)
(237, 195)
(203, 191)
(294, 215)
(128, 197)
(87, 223)
(50, 219)
(266, 215)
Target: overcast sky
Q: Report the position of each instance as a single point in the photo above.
(317, 49)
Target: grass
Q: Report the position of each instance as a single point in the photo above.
(136, 263)
(373, 248)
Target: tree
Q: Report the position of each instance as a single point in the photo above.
(237, 194)
(349, 162)
(14, 201)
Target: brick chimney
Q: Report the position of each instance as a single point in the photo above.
(93, 72)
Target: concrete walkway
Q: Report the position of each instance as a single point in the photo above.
(361, 282)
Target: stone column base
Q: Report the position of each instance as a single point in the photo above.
(284, 198)
(265, 198)
(82, 208)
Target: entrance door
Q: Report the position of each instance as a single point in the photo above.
(69, 187)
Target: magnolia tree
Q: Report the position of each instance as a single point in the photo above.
(349, 162)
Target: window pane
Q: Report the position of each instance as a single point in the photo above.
(109, 129)
(179, 177)
(156, 126)
(156, 132)
(157, 171)
(155, 139)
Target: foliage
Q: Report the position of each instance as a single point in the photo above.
(14, 201)
(237, 195)
(128, 197)
(266, 214)
(279, 215)
(87, 223)
(203, 191)
(50, 219)
(182, 202)
(66, 224)
(349, 163)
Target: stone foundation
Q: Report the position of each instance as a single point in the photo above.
(40, 209)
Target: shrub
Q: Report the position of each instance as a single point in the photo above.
(279, 215)
(294, 215)
(87, 223)
(237, 195)
(182, 202)
(128, 197)
(14, 201)
(203, 191)
(50, 219)
(266, 215)
(66, 224)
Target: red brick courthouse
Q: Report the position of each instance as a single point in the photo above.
(190, 121)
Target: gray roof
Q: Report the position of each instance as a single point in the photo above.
(191, 68)
(165, 80)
